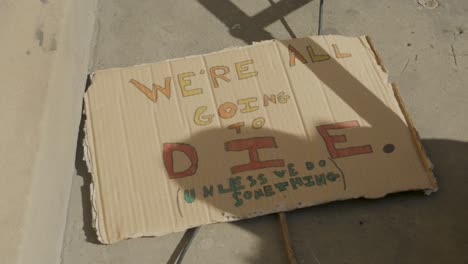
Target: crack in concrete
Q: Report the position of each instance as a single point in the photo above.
(454, 55)
(404, 67)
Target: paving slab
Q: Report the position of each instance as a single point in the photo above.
(425, 51)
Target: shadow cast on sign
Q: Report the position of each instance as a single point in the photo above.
(396, 211)
(339, 81)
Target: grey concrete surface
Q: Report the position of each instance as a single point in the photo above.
(44, 56)
(425, 51)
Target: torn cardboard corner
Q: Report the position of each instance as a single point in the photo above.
(245, 132)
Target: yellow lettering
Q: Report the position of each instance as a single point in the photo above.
(202, 120)
(242, 67)
(283, 98)
(258, 123)
(183, 83)
(316, 57)
(246, 102)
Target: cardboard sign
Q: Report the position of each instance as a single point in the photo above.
(245, 132)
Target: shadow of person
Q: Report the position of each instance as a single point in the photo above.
(404, 227)
(321, 176)
(404, 219)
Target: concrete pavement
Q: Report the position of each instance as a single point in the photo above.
(426, 53)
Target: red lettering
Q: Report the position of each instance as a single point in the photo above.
(168, 156)
(227, 110)
(237, 126)
(267, 98)
(252, 145)
(215, 76)
(330, 140)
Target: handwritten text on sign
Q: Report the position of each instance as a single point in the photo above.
(259, 186)
(201, 116)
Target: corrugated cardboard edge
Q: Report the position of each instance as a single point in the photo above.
(414, 133)
(417, 143)
(88, 148)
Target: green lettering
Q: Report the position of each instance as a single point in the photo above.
(268, 190)
(331, 176)
(322, 163)
(238, 200)
(258, 193)
(221, 189)
(207, 192)
(252, 181)
(320, 179)
(235, 184)
(295, 182)
(281, 186)
(309, 165)
(291, 170)
(309, 181)
(261, 177)
(280, 173)
(189, 195)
